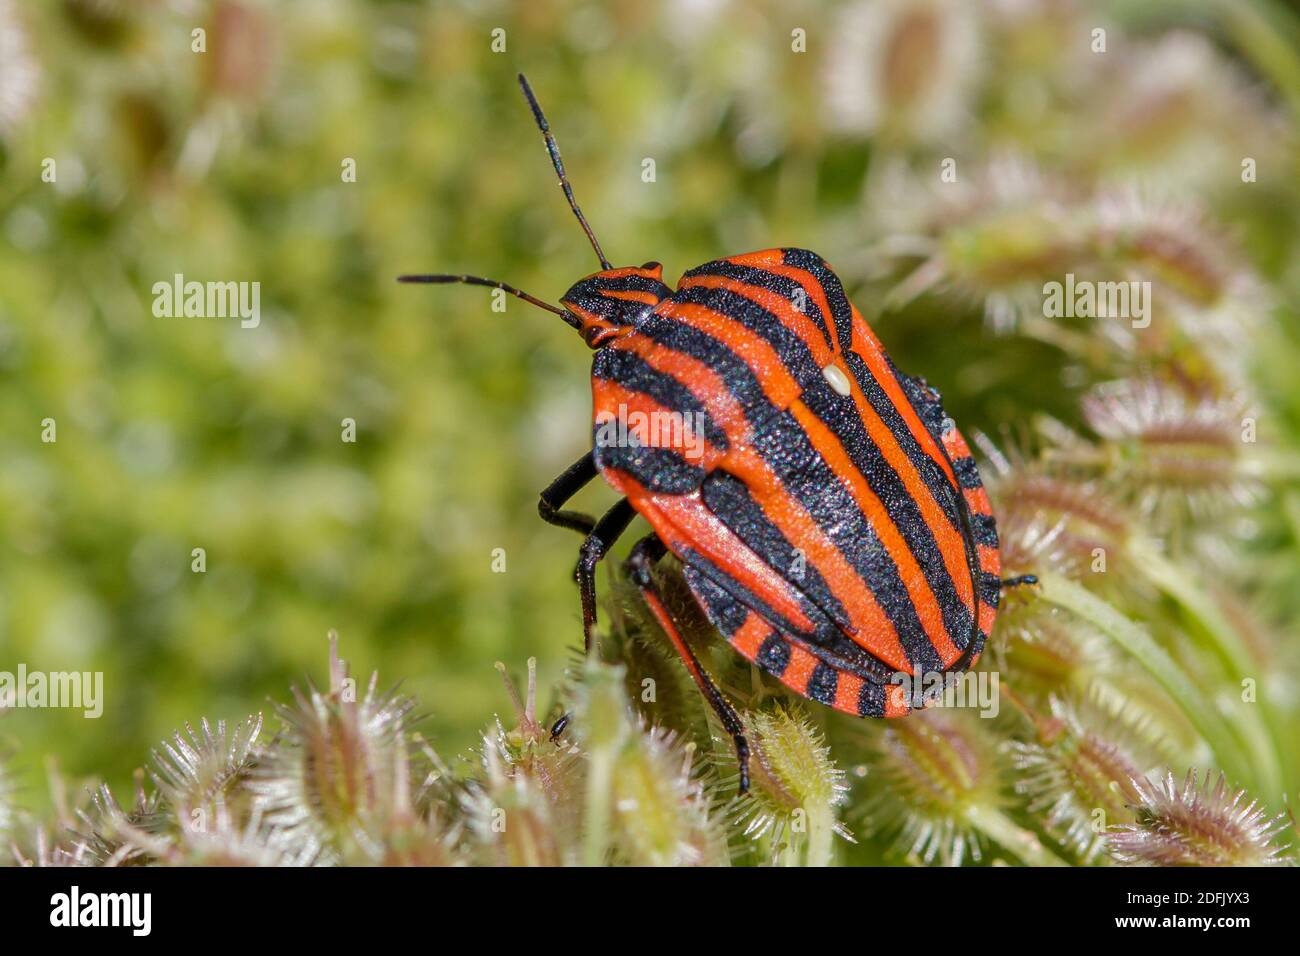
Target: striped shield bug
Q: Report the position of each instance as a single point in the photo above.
(827, 513)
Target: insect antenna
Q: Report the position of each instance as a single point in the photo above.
(554, 150)
(440, 279)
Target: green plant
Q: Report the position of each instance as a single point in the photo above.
(1145, 470)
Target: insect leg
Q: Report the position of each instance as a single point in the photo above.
(640, 567)
(1019, 581)
(602, 537)
(554, 495)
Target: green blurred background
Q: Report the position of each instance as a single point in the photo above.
(178, 433)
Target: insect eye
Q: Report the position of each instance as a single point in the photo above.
(652, 265)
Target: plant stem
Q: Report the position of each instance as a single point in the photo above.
(1177, 584)
(993, 823)
(1222, 636)
(1065, 593)
(1267, 33)
(600, 777)
(820, 836)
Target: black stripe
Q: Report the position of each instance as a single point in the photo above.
(727, 614)
(626, 284)
(841, 311)
(984, 529)
(736, 375)
(617, 311)
(698, 568)
(774, 655)
(728, 603)
(730, 499)
(989, 587)
(589, 295)
(794, 354)
(976, 529)
(823, 683)
(658, 469)
(967, 473)
(783, 286)
(930, 470)
(871, 699)
(631, 371)
(925, 400)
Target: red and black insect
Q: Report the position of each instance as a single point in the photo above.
(828, 515)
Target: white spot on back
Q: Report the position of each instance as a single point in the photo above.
(838, 379)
